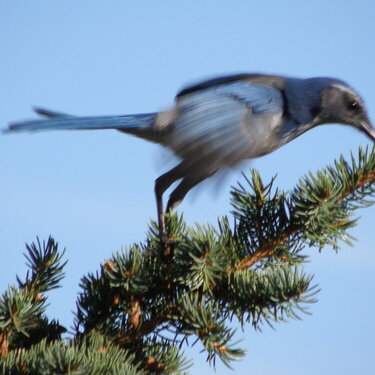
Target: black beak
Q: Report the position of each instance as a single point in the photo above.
(368, 129)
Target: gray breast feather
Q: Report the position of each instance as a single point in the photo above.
(223, 125)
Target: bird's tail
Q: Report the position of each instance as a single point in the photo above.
(57, 121)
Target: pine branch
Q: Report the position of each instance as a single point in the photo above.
(135, 314)
(92, 355)
(22, 320)
(44, 262)
(318, 210)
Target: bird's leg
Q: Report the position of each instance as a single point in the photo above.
(162, 183)
(159, 204)
(181, 190)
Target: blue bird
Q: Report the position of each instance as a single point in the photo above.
(222, 121)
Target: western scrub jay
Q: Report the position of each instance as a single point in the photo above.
(221, 121)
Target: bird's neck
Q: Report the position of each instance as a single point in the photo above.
(302, 106)
(303, 97)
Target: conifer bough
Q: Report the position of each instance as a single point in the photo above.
(135, 315)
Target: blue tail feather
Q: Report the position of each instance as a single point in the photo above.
(57, 121)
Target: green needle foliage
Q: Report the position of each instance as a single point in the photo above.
(149, 301)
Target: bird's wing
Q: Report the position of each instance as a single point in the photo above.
(225, 124)
(255, 78)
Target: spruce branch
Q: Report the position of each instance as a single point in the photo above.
(317, 212)
(22, 309)
(45, 265)
(93, 354)
(135, 314)
(199, 297)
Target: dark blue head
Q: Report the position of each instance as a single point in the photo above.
(322, 100)
(340, 103)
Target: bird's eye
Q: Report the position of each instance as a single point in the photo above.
(354, 106)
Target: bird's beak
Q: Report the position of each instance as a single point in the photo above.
(368, 129)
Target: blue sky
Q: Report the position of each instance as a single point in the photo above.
(93, 191)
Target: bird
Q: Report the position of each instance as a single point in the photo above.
(222, 121)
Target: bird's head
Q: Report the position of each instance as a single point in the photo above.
(341, 104)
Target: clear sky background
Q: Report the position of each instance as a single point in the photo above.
(93, 191)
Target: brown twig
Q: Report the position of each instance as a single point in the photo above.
(267, 249)
(135, 312)
(135, 334)
(4, 348)
(370, 177)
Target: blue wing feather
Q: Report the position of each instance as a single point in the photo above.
(222, 125)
